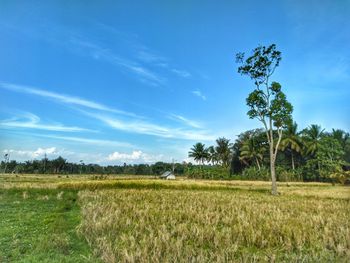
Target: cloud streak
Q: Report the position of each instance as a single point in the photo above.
(130, 123)
(104, 54)
(147, 128)
(62, 98)
(96, 142)
(181, 73)
(199, 94)
(31, 121)
(184, 120)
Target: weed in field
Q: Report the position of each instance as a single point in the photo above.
(25, 195)
(59, 195)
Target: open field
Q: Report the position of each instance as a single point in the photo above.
(127, 219)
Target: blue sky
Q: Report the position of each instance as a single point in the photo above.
(139, 81)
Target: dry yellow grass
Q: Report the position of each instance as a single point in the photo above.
(81, 182)
(214, 226)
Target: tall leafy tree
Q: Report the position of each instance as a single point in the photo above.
(199, 153)
(291, 141)
(267, 102)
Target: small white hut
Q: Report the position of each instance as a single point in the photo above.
(168, 175)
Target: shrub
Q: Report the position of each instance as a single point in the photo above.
(283, 175)
(209, 172)
(287, 175)
(342, 177)
(252, 173)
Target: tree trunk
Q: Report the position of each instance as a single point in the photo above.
(272, 161)
(293, 166)
(273, 174)
(319, 170)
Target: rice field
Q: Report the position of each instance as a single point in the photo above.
(128, 219)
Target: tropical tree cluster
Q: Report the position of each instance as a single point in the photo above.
(311, 154)
(219, 154)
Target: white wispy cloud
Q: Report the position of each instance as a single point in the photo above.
(181, 73)
(53, 152)
(133, 124)
(100, 53)
(150, 57)
(40, 152)
(136, 156)
(97, 142)
(32, 121)
(153, 59)
(199, 94)
(147, 128)
(143, 66)
(186, 121)
(62, 98)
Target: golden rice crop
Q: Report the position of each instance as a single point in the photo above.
(145, 225)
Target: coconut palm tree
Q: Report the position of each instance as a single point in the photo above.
(251, 152)
(223, 149)
(212, 155)
(341, 136)
(312, 136)
(291, 141)
(312, 139)
(199, 153)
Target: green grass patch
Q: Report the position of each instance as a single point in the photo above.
(39, 225)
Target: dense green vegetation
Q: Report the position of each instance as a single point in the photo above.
(308, 155)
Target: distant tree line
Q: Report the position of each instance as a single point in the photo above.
(62, 166)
